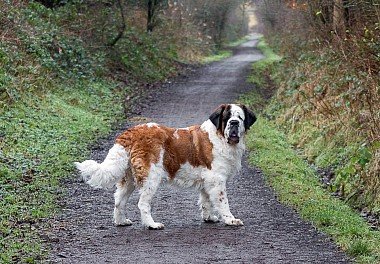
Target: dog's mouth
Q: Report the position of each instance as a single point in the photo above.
(233, 138)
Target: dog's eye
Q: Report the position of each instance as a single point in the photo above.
(240, 118)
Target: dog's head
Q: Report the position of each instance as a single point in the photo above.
(232, 121)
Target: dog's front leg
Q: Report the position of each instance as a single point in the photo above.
(207, 208)
(216, 189)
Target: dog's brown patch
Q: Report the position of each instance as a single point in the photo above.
(187, 145)
(144, 143)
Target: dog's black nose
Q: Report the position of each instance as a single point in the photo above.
(234, 123)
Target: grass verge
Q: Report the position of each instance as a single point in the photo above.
(40, 138)
(298, 185)
(219, 55)
(222, 54)
(237, 42)
(262, 67)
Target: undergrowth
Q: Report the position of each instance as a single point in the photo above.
(288, 172)
(329, 110)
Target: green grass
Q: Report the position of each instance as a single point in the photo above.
(260, 67)
(270, 56)
(298, 186)
(220, 55)
(40, 138)
(144, 58)
(237, 42)
(223, 54)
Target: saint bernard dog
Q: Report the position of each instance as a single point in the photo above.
(202, 157)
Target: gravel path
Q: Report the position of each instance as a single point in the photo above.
(273, 233)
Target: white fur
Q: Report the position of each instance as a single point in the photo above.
(123, 191)
(226, 163)
(109, 172)
(175, 134)
(227, 158)
(189, 176)
(208, 212)
(151, 124)
(237, 114)
(147, 191)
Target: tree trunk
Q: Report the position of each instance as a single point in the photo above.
(122, 27)
(150, 20)
(339, 19)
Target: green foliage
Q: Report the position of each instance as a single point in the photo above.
(328, 96)
(254, 99)
(219, 55)
(326, 108)
(53, 104)
(144, 59)
(38, 52)
(360, 248)
(261, 68)
(5, 78)
(61, 54)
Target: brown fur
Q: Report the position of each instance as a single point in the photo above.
(144, 144)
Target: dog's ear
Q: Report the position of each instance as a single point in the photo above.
(216, 117)
(250, 117)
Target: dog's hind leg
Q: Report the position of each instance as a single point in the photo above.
(124, 189)
(206, 207)
(147, 192)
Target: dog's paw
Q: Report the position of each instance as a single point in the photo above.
(211, 219)
(234, 222)
(123, 222)
(156, 226)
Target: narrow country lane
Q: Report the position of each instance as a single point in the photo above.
(273, 233)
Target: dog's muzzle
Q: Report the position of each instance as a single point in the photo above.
(233, 137)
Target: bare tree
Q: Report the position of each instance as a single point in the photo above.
(152, 7)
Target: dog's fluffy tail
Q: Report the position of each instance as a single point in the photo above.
(109, 172)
